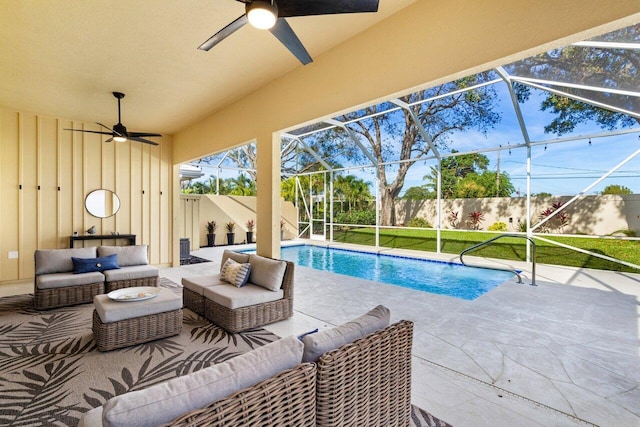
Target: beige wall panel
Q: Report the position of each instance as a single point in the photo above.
(195, 225)
(78, 179)
(108, 181)
(154, 204)
(65, 182)
(182, 224)
(47, 181)
(9, 193)
(28, 210)
(135, 196)
(123, 188)
(36, 150)
(146, 200)
(92, 167)
(166, 195)
(190, 210)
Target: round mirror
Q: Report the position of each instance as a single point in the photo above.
(102, 203)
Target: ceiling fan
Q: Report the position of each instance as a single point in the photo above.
(119, 132)
(266, 14)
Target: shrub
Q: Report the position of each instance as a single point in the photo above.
(364, 217)
(476, 218)
(418, 223)
(498, 226)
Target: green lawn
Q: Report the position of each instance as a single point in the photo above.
(507, 248)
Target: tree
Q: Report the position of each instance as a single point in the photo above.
(600, 67)
(467, 176)
(352, 190)
(418, 193)
(242, 185)
(616, 189)
(394, 136)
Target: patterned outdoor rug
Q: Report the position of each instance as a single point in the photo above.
(51, 372)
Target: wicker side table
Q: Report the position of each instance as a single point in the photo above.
(118, 324)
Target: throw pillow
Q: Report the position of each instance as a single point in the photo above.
(315, 345)
(87, 265)
(235, 273)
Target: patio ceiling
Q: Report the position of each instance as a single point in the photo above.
(64, 59)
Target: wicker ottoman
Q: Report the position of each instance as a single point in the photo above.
(118, 324)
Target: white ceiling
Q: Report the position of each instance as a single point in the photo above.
(63, 58)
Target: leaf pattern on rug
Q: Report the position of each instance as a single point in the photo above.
(17, 357)
(38, 393)
(146, 376)
(17, 304)
(166, 345)
(47, 328)
(204, 359)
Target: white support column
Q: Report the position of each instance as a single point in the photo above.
(377, 209)
(439, 206)
(331, 206)
(528, 219)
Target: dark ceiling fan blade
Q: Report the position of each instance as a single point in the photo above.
(109, 140)
(90, 131)
(143, 134)
(146, 141)
(288, 8)
(224, 33)
(287, 37)
(106, 127)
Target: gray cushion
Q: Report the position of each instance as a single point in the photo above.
(315, 345)
(62, 280)
(164, 402)
(92, 418)
(131, 272)
(198, 283)
(266, 272)
(236, 256)
(114, 311)
(232, 297)
(127, 255)
(59, 260)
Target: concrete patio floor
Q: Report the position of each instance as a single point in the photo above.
(563, 353)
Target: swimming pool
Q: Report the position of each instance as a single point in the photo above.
(437, 277)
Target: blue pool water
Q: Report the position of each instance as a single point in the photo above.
(430, 276)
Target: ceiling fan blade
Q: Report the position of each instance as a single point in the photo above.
(224, 33)
(143, 134)
(109, 140)
(287, 37)
(90, 131)
(106, 127)
(288, 8)
(138, 139)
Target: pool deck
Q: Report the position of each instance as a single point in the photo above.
(563, 353)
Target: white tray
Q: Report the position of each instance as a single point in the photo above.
(134, 294)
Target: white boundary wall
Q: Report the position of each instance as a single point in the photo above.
(592, 215)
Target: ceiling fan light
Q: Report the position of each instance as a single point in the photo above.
(119, 139)
(262, 14)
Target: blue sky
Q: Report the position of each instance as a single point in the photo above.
(565, 168)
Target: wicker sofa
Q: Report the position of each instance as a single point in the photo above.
(364, 382)
(267, 297)
(60, 280)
